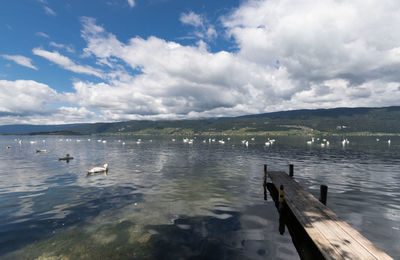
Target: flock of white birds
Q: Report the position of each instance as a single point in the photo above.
(323, 143)
(269, 142)
(345, 142)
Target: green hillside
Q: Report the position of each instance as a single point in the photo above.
(332, 121)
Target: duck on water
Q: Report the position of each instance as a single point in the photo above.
(66, 158)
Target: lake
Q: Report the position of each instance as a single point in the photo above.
(165, 199)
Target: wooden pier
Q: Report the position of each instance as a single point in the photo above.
(333, 237)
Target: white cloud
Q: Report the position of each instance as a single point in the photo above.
(178, 81)
(66, 62)
(27, 102)
(42, 34)
(21, 60)
(68, 48)
(131, 3)
(24, 96)
(203, 30)
(69, 115)
(288, 55)
(49, 11)
(191, 19)
(319, 41)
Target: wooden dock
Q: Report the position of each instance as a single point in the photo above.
(334, 238)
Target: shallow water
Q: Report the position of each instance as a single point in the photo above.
(165, 199)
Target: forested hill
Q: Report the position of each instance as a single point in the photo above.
(337, 120)
(26, 128)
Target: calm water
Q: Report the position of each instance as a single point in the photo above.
(165, 199)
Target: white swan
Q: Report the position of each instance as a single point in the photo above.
(99, 169)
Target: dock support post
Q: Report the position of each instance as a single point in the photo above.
(291, 166)
(281, 198)
(265, 174)
(323, 194)
(265, 182)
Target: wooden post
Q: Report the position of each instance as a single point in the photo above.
(265, 174)
(323, 194)
(291, 166)
(265, 182)
(281, 198)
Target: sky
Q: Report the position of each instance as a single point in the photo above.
(74, 61)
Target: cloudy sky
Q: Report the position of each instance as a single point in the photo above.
(70, 61)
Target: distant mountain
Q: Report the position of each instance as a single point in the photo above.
(334, 121)
(27, 129)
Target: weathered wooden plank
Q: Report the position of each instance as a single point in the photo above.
(334, 237)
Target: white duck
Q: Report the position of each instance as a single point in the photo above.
(99, 169)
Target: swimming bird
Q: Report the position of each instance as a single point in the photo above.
(66, 158)
(41, 151)
(99, 169)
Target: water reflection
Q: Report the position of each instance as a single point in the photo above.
(199, 200)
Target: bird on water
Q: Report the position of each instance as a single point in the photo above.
(99, 169)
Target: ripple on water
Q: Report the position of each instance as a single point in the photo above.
(203, 200)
